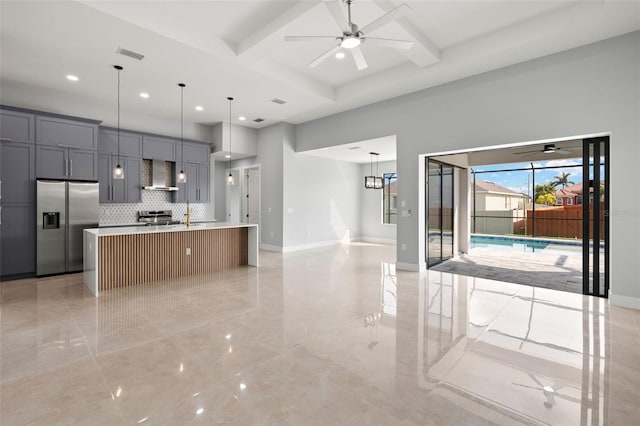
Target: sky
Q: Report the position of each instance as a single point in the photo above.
(521, 181)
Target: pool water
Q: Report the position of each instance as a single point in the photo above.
(522, 245)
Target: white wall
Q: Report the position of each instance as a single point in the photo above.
(321, 198)
(593, 89)
(244, 139)
(372, 228)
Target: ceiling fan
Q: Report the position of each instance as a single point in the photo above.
(352, 36)
(550, 148)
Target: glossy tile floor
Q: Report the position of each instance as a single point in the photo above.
(333, 336)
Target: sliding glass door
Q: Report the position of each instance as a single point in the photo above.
(440, 212)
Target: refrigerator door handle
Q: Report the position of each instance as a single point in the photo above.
(66, 167)
(70, 167)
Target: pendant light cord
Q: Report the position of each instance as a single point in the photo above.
(182, 126)
(119, 114)
(230, 100)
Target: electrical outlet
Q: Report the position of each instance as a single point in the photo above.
(188, 251)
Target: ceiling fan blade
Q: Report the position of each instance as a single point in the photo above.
(398, 44)
(562, 151)
(308, 38)
(392, 15)
(324, 56)
(336, 10)
(526, 152)
(358, 57)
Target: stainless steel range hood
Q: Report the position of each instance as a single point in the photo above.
(159, 177)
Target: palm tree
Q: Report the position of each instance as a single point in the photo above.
(562, 179)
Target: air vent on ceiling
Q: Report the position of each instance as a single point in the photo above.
(278, 101)
(130, 53)
(354, 147)
(259, 120)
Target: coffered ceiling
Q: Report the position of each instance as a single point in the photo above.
(237, 48)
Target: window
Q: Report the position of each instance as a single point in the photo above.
(559, 201)
(390, 198)
(569, 201)
(579, 199)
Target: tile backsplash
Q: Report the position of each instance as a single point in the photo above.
(115, 214)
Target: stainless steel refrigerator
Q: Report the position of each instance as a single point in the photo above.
(64, 210)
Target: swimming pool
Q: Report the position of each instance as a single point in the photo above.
(526, 245)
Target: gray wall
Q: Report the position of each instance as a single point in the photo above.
(589, 90)
(372, 228)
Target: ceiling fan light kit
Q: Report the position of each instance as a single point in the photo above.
(352, 36)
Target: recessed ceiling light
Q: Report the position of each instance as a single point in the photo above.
(199, 108)
(242, 118)
(144, 95)
(227, 156)
(340, 55)
(72, 77)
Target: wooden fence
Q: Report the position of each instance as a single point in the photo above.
(563, 222)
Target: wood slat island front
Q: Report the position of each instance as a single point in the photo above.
(121, 257)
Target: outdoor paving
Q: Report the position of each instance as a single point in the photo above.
(554, 270)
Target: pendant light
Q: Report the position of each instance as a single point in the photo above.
(182, 176)
(118, 171)
(373, 181)
(230, 180)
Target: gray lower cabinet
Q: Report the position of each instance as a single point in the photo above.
(55, 162)
(17, 221)
(196, 190)
(125, 190)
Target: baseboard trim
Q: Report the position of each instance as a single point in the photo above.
(624, 301)
(413, 267)
(308, 246)
(375, 240)
(269, 247)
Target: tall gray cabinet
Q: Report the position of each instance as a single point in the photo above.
(17, 194)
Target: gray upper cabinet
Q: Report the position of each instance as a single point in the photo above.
(66, 149)
(196, 190)
(17, 126)
(194, 152)
(64, 163)
(130, 143)
(66, 133)
(158, 148)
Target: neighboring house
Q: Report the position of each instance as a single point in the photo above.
(491, 196)
(572, 195)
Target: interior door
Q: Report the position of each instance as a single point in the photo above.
(252, 198)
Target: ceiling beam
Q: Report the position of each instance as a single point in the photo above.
(424, 52)
(253, 40)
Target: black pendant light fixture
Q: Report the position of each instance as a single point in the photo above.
(373, 181)
(118, 171)
(182, 176)
(230, 180)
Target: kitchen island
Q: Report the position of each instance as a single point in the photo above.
(126, 256)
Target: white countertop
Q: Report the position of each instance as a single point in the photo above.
(130, 230)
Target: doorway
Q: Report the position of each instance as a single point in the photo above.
(251, 195)
(546, 224)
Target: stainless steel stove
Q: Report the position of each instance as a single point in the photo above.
(156, 217)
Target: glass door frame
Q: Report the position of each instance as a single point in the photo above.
(596, 148)
(440, 189)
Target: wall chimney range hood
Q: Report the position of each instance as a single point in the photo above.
(159, 177)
